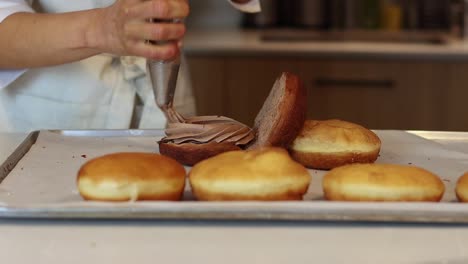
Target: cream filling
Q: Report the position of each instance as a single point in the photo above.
(310, 146)
(383, 192)
(204, 129)
(253, 188)
(112, 190)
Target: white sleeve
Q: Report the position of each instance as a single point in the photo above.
(7, 77)
(253, 6)
(8, 7)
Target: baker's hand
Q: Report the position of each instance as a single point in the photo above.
(124, 28)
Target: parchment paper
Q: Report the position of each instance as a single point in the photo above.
(46, 175)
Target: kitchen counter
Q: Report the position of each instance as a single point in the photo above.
(231, 242)
(248, 43)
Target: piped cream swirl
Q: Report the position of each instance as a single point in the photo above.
(204, 129)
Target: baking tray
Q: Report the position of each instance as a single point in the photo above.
(38, 181)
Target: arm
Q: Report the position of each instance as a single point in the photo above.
(35, 40)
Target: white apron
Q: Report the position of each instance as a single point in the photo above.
(101, 92)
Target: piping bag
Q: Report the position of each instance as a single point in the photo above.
(163, 75)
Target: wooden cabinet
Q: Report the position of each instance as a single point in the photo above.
(208, 81)
(386, 94)
(454, 99)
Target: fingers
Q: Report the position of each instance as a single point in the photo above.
(137, 35)
(159, 9)
(155, 52)
(126, 30)
(151, 31)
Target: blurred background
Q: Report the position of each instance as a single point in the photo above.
(385, 64)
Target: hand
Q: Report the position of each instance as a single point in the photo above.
(124, 28)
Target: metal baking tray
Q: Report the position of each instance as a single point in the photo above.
(38, 181)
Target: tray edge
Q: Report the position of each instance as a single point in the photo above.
(10, 163)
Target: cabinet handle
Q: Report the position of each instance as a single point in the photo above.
(326, 82)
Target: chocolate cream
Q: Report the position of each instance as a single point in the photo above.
(204, 129)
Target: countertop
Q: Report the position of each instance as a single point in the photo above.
(231, 242)
(249, 43)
